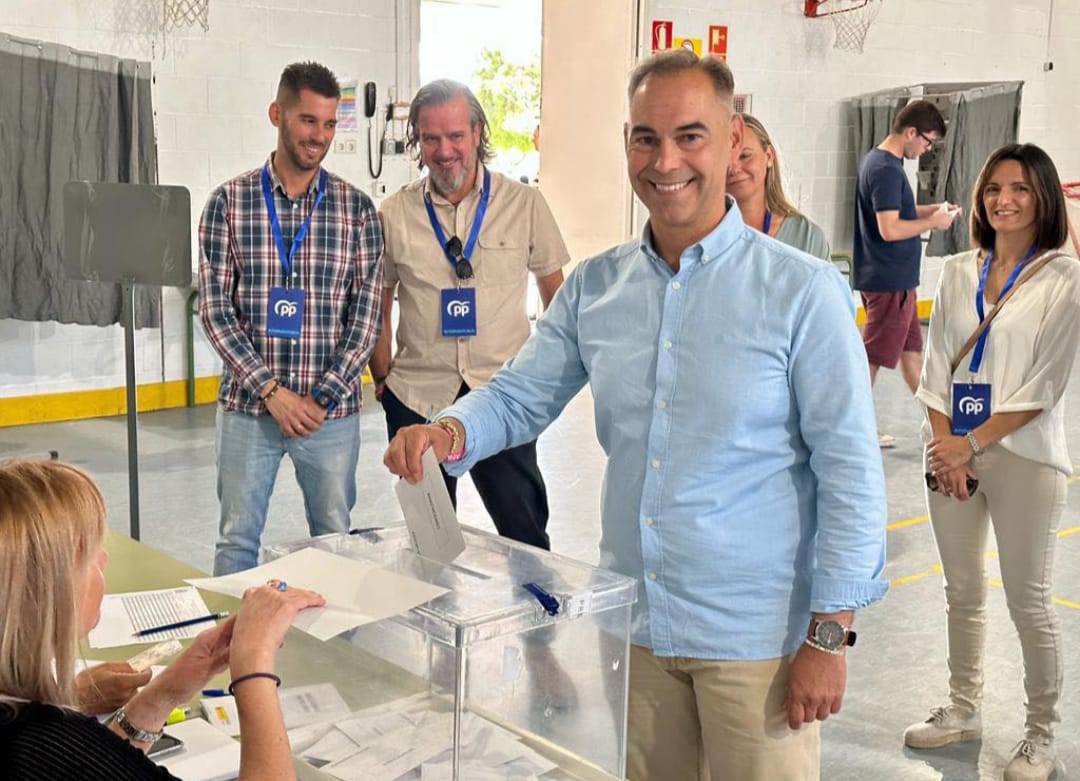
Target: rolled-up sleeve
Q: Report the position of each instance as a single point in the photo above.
(530, 390)
(830, 381)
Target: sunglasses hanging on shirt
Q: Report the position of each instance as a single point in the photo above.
(454, 250)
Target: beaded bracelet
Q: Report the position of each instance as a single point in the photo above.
(249, 676)
(270, 392)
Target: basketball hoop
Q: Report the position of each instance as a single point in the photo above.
(184, 13)
(851, 18)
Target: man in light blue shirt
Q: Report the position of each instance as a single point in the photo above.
(744, 487)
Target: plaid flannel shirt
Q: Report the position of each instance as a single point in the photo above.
(338, 265)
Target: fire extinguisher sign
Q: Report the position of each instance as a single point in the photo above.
(661, 35)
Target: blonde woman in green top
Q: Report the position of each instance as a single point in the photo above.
(754, 181)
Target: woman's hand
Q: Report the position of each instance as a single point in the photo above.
(948, 453)
(105, 687)
(954, 483)
(207, 655)
(265, 616)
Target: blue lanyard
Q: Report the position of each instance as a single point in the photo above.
(768, 222)
(275, 226)
(980, 345)
(474, 231)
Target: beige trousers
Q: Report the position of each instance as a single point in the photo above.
(1024, 502)
(702, 719)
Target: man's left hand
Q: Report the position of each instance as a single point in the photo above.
(815, 687)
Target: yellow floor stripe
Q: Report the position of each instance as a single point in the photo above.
(908, 522)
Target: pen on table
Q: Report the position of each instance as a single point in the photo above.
(214, 693)
(181, 624)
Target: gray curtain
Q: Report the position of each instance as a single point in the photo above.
(66, 115)
(984, 117)
(872, 116)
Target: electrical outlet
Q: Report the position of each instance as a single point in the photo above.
(378, 189)
(345, 146)
(339, 146)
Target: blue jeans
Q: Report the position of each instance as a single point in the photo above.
(249, 450)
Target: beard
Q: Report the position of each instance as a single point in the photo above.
(292, 150)
(446, 184)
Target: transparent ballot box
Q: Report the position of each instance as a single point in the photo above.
(479, 683)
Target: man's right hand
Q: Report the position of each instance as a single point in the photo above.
(296, 416)
(942, 217)
(403, 455)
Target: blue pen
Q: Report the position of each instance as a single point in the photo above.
(550, 603)
(181, 624)
(214, 693)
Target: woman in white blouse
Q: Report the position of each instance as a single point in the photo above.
(997, 450)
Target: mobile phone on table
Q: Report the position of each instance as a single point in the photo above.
(165, 746)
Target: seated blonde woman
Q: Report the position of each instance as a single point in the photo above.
(52, 561)
(754, 182)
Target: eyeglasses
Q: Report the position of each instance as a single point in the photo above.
(933, 485)
(462, 267)
(929, 141)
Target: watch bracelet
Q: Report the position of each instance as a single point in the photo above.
(815, 644)
(135, 733)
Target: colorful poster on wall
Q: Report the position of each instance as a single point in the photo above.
(346, 110)
(718, 40)
(693, 44)
(661, 35)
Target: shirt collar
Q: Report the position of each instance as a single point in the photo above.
(710, 246)
(436, 196)
(275, 180)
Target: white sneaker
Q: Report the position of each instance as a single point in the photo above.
(884, 441)
(1033, 759)
(945, 725)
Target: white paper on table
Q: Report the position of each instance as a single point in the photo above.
(356, 592)
(393, 755)
(122, 615)
(208, 754)
(302, 705)
(429, 513)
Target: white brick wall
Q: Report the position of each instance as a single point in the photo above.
(799, 81)
(211, 94)
(212, 90)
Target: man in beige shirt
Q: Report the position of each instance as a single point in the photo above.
(460, 244)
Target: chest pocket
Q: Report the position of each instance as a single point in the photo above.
(501, 260)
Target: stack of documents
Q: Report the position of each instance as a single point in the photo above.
(356, 592)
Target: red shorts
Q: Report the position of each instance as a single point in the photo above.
(892, 327)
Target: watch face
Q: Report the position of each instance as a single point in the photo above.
(830, 634)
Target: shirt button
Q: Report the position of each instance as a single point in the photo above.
(295, 341)
(667, 344)
(296, 275)
(651, 575)
(296, 206)
(655, 463)
(676, 285)
(650, 521)
(661, 404)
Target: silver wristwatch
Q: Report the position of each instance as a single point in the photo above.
(830, 636)
(135, 733)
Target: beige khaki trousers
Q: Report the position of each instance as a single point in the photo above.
(709, 720)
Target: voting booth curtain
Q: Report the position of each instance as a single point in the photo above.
(66, 115)
(980, 117)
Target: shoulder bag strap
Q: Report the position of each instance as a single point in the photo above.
(1028, 274)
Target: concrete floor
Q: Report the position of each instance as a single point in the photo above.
(896, 673)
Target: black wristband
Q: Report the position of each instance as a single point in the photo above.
(249, 676)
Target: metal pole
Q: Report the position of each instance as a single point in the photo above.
(132, 407)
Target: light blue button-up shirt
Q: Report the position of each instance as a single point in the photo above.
(744, 485)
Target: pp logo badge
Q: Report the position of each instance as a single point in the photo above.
(458, 308)
(970, 405)
(285, 312)
(285, 308)
(459, 311)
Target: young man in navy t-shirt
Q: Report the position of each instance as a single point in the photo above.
(888, 247)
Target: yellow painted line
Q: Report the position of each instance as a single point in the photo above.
(1066, 603)
(1067, 532)
(105, 402)
(922, 307)
(907, 522)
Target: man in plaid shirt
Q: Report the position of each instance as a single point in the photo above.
(290, 283)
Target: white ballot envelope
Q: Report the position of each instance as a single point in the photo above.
(429, 514)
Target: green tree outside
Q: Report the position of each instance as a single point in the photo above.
(510, 95)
